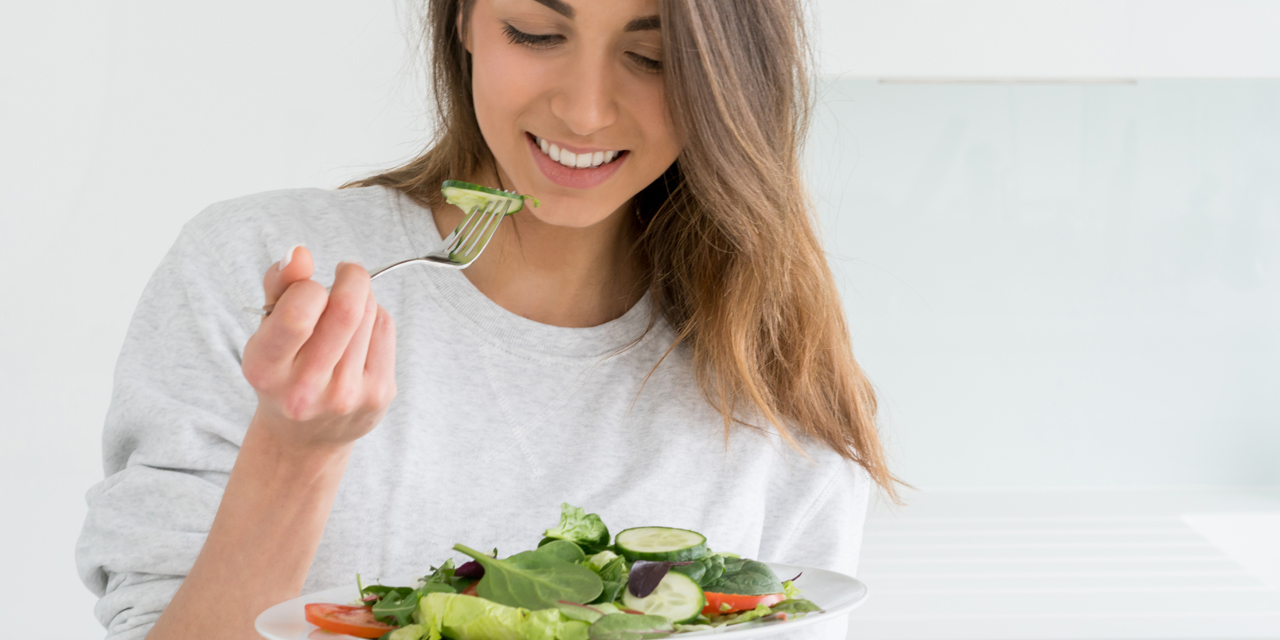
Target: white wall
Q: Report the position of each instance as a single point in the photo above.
(962, 209)
(119, 121)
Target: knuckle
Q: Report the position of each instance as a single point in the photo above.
(254, 373)
(299, 401)
(344, 399)
(293, 319)
(345, 311)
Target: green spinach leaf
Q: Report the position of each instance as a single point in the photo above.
(565, 550)
(745, 577)
(615, 569)
(533, 580)
(626, 626)
(613, 573)
(578, 526)
(611, 591)
(704, 570)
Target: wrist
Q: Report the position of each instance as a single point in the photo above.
(289, 461)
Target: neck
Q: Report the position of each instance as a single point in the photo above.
(562, 276)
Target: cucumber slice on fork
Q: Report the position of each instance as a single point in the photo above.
(468, 197)
(473, 233)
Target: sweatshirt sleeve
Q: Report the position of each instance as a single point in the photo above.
(178, 413)
(824, 531)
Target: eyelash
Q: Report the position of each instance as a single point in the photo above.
(648, 64)
(536, 41)
(528, 39)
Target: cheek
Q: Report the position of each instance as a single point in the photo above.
(648, 100)
(503, 80)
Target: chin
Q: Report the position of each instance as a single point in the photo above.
(562, 215)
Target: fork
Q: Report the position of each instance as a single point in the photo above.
(457, 251)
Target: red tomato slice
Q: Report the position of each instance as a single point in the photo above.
(737, 602)
(342, 618)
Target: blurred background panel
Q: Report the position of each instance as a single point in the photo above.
(1062, 285)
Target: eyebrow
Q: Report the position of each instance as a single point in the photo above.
(557, 6)
(647, 23)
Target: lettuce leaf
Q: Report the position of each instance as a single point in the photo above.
(460, 617)
(469, 618)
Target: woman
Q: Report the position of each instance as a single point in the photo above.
(659, 342)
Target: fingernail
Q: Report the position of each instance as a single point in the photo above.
(288, 256)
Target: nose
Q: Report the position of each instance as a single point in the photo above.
(585, 100)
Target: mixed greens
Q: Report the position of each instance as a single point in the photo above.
(651, 582)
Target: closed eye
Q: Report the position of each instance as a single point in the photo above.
(645, 63)
(536, 41)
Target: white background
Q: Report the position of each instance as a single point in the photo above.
(1052, 38)
(993, 244)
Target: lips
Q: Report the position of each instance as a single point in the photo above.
(575, 168)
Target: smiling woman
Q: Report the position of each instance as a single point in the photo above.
(701, 108)
(660, 341)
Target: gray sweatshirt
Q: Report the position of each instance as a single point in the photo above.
(498, 420)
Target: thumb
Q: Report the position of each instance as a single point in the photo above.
(297, 265)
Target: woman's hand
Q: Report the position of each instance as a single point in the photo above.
(323, 363)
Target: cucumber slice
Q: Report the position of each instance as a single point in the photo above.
(468, 196)
(678, 598)
(661, 543)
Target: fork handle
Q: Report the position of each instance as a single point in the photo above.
(392, 267)
(265, 310)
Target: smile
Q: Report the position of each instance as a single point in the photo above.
(583, 160)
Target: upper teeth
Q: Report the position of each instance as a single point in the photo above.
(576, 160)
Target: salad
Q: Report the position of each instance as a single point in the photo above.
(651, 582)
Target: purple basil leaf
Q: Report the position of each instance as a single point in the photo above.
(646, 574)
(797, 577)
(470, 570)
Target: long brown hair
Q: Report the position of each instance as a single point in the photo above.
(728, 234)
